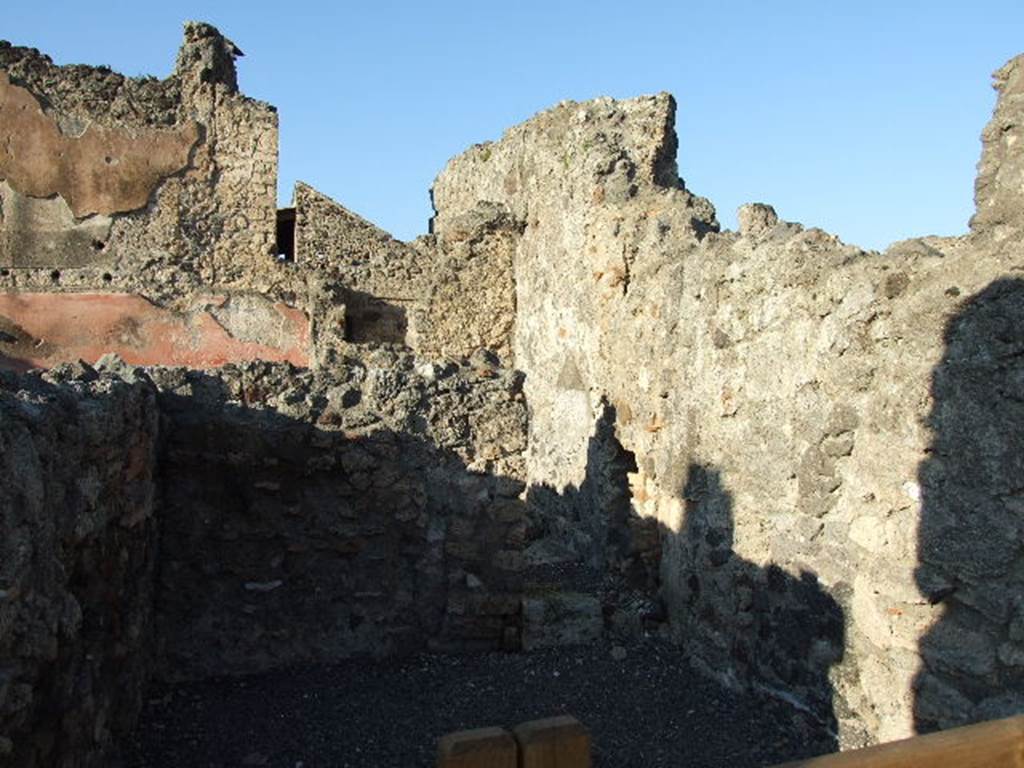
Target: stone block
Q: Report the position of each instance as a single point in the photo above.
(478, 748)
(560, 619)
(555, 742)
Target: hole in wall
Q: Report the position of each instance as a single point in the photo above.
(55, 276)
(369, 319)
(286, 234)
(107, 277)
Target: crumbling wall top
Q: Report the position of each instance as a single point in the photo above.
(593, 153)
(999, 188)
(206, 56)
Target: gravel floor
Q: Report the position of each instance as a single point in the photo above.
(648, 709)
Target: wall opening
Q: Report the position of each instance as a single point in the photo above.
(286, 234)
(369, 319)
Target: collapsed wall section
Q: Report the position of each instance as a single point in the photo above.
(445, 297)
(77, 554)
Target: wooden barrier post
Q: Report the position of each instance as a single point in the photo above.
(557, 742)
(479, 748)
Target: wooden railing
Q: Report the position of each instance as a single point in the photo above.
(995, 744)
(562, 742)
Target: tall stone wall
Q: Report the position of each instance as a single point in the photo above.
(135, 183)
(825, 436)
(77, 554)
(156, 200)
(572, 176)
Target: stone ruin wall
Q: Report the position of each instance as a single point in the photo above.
(167, 183)
(828, 438)
(140, 216)
(156, 200)
(77, 561)
(823, 440)
(447, 296)
(189, 524)
(369, 510)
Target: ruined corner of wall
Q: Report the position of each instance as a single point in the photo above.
(999, 188)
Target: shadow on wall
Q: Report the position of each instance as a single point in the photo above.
(742, 621)
(289, 539)
(371, 319)
(595, 523)
(770, 627)
(972, 517)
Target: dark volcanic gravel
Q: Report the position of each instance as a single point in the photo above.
(649, 709)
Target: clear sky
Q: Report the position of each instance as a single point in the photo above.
(861, 117)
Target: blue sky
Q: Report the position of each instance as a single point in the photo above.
(860, 117)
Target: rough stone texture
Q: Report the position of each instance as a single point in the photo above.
(471, 300)
(560, 618)
(301, 518)
(365, 282)
(311, 518)
(999, 189)
(804, 454)
(39, 330)
(814, 427)
(76, 562)
(188, 182)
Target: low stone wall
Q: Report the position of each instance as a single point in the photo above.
(77, 552)
(301, 518)
(310, 518)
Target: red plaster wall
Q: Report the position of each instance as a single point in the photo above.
(39, 330)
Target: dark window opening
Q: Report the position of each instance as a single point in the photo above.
(286, 234)
(372, 320)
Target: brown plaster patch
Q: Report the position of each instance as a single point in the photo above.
(105, 170)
